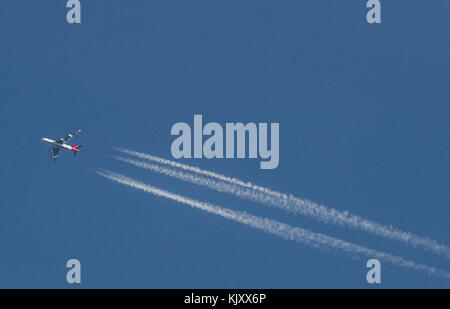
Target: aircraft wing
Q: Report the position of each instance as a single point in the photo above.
(69, 136)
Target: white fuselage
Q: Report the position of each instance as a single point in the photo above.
(56, 144)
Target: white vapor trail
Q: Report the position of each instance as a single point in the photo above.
(286, 202)
(306, 237)
(219, 186)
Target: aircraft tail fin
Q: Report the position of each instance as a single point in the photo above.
(76, 148)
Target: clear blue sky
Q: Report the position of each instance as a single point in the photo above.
(364, 127)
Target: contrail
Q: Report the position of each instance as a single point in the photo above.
(219, 186)
(306, 237)
(289, 203)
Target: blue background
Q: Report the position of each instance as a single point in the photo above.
(364, 127)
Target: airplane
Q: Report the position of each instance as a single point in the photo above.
(61, 143)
